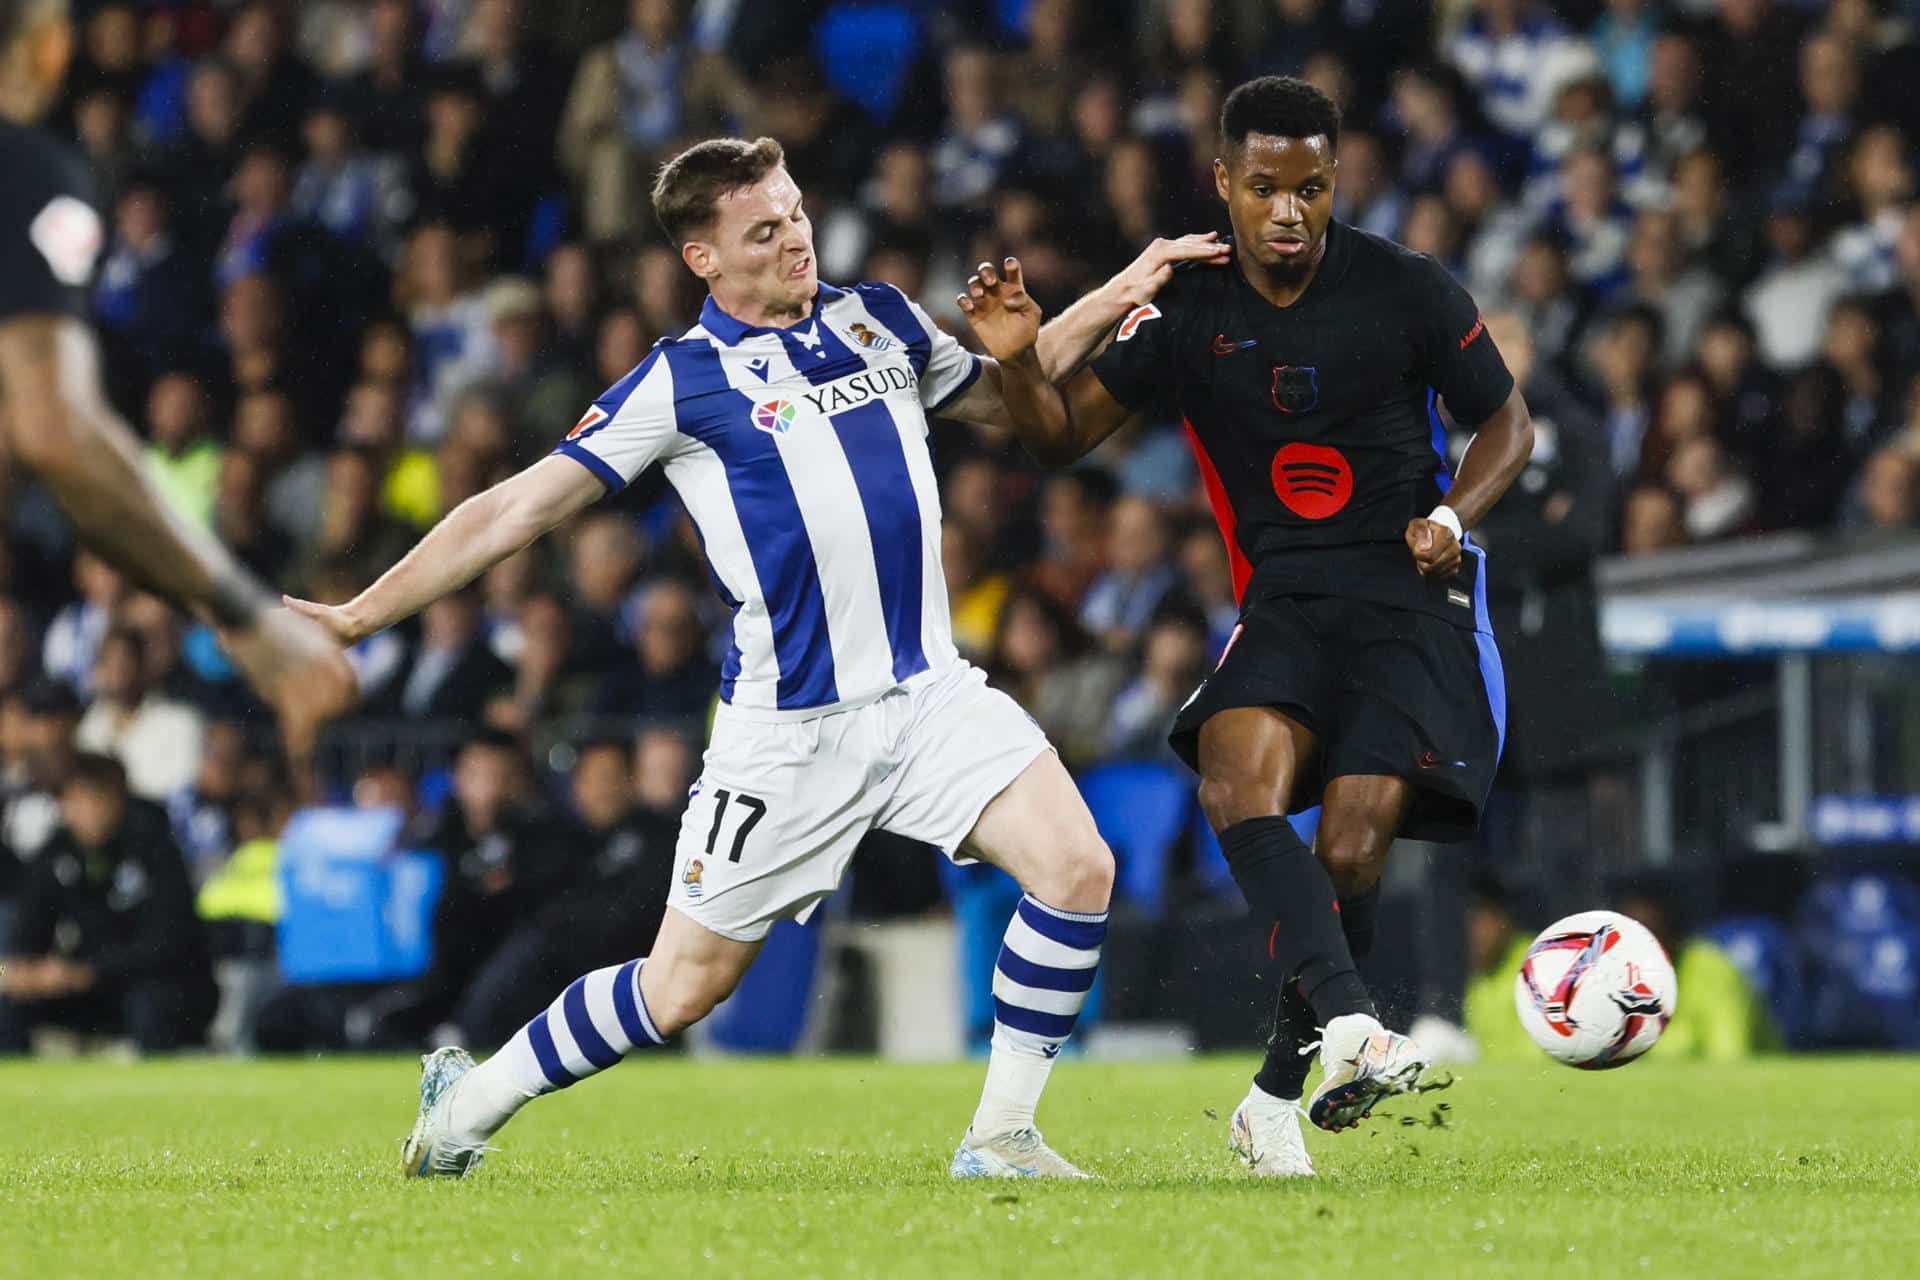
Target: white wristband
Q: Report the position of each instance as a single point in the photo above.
(1445, 515)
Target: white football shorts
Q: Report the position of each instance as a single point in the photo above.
(779, 807)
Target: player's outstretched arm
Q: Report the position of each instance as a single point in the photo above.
(1067, 340)
(63, 429)
(1498, 452)
(1055, 424)
(475, 536)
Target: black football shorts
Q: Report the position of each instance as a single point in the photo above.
(1385, 691)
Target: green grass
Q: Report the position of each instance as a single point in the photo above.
(680, 1168)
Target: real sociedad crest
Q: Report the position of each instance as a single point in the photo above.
(1296, 387)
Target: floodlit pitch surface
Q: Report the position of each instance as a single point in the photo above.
(679, 1168)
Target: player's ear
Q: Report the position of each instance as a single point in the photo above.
(1220, 184)
(698, 255)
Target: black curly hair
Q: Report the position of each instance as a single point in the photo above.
(1280, 107)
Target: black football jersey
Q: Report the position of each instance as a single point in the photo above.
(1315, 425)
(51, 232)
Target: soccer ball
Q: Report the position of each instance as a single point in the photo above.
(1596, 990)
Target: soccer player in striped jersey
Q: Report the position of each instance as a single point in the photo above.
(792, 419)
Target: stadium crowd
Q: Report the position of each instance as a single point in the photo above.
(368, 256)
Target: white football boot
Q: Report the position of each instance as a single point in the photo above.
(431, 1151)
(1021, 1154)
(1363, 1063)
(1265, 1134)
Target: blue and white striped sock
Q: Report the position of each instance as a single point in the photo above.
(595, 1023)
(1046, 966)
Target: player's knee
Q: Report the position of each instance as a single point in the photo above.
(1232, 797)
(1354, 859)
(690, 994)
(1080, 877)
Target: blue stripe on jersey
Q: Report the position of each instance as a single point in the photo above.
(871, 442)
(827, 359)
(592, 462)
(1445, 478)
(716, 415)
(730, 665)
(889, 306)
(960, 388)
(1493, 672)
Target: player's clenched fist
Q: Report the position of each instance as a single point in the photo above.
(1434, 548)
(1001, 311)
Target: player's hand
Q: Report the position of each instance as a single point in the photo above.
(1434, 548)
(298, 665)
(1001, 311)
(1147, 274)
(337, 621)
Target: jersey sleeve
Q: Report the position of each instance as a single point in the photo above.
(1462, 363)
(629, 428)
(1136, 366)
(50, 241)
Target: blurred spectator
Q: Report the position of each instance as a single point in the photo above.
(1804, 468)
(1043, 75)
(663, 769)
(974, 595)
(1658, 276)
(1049, 665)
(105, 942)
(240, 519)
(148, 295)
(451, 673)
(1206, 576)
(672, 676)
(1593, 220)
(608, 910)
(156, 739)
(1623, 37)
(1366, 196)
(201, 812)
(1621, 356)
(409, 484)
(1793, 295)
(1654, 521)
(1749, 50)
(74, 635)
(1881, 188)
(1504, 50)
(198, 164)
(452, 329)
(605, 557)
(19, 656)
(354, 532)
(295, 481)
(1173, 658)
(981, 136)
(184, 460)
(632, 98)
(1890, 491)
(259, 192)
(355, 194)
(1121, 600)
(1547, 534)
(1074, 508)
(40, 722)
(1718, 498)
(1830, 88)
(389, 92)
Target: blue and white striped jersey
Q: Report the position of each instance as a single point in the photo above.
(801, 454)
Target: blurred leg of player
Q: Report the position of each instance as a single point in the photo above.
(767, 836)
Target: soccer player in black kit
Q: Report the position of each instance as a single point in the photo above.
(1363, 675)
(58, 421)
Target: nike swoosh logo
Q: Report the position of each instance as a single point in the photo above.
(1428, 760)
(1225, 346)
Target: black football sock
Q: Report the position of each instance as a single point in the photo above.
(1357, 917)
(1282, 881)
(1284, 1073)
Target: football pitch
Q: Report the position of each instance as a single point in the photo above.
(836, 1167)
